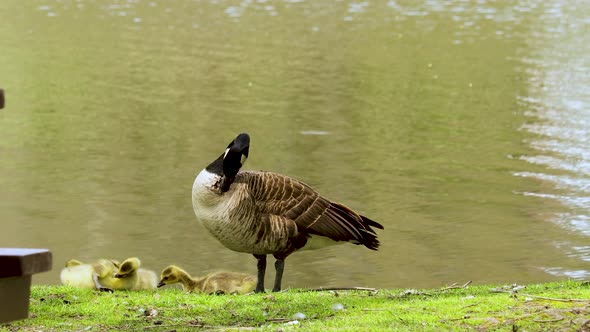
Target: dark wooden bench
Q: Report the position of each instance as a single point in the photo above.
(17, 265)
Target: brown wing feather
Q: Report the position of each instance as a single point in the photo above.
(284, 196)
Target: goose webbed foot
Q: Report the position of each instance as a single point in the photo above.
(261, 267)
(105, 289)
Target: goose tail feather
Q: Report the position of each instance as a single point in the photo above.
(358, 227)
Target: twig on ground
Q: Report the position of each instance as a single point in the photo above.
(173, 325)
(321, 289)
(368, 309)
(455, 286)
(279, 320)
(557, 319)
(539, 297)
(230, 327)
(470, 305)
(554, 299)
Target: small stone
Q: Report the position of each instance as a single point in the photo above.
(151, 312)
(337, 306)
(299, 315)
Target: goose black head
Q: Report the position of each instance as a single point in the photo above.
(236, 155)
(230, 162)
(234, 158)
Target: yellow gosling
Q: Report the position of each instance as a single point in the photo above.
(80, 276)
(131, 277)
(98, 275)
(215, 283)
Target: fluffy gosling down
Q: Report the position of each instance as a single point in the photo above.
(215, 283)
(130, 276)
(97, 275)
(108, 274)
(264, 213)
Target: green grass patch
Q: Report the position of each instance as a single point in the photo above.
(543, 307)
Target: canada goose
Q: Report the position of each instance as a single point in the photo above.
(218, 282)
(263, 213)
(98, 275)
(130, 276)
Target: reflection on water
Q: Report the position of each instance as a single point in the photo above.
(558, 104)
(461, 127)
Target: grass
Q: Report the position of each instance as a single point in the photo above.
(563, 306)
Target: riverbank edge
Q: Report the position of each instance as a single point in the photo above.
(548, 306)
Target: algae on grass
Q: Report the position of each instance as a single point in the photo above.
(553, 306)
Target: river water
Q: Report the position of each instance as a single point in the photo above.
(463, 127)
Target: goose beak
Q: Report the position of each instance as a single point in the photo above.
(160, 284)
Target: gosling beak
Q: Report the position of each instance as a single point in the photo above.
(160, 284)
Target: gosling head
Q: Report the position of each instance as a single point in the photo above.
(128, 267)
(104, 268)
(170, 275)
(73, 262)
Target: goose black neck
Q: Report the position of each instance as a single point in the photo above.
(235, 155)
(229, 163)
(216, 167)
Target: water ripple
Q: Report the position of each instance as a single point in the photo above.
(558, 107)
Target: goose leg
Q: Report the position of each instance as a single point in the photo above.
(279, 267)
(261, 266)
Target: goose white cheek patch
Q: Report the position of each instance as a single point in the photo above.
(242, 160)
